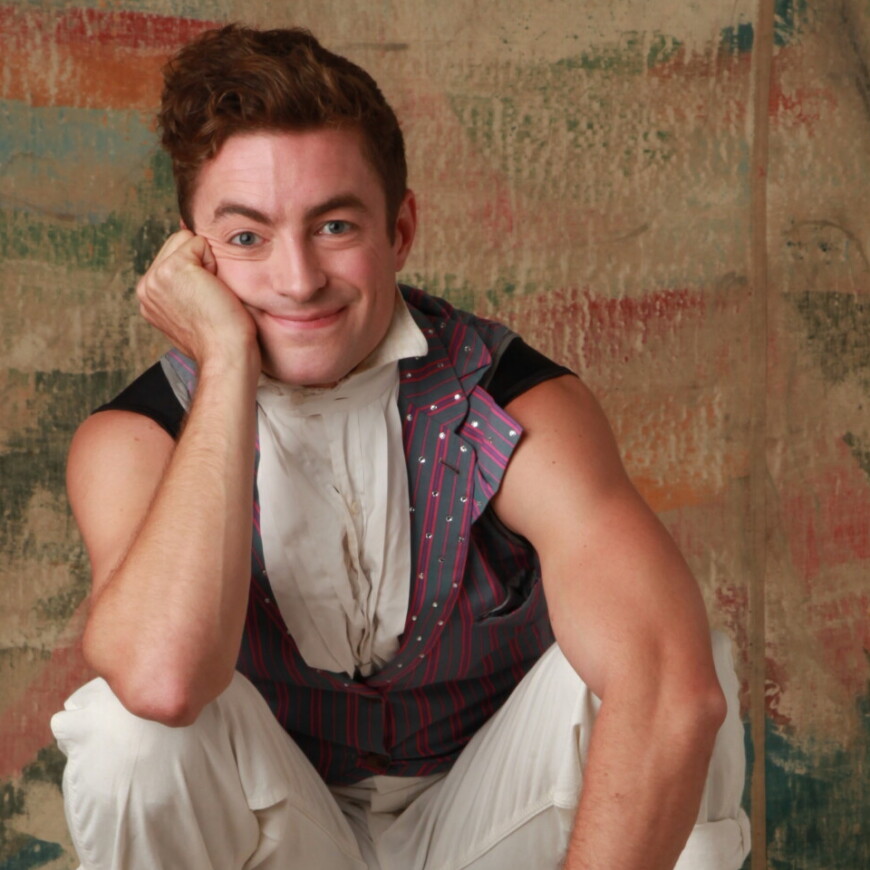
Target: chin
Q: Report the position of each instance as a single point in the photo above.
(306, 376)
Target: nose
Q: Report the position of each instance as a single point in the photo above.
(297, 271)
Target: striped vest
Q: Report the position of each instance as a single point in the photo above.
(477, 620)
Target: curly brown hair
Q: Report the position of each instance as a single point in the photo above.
(236, 80)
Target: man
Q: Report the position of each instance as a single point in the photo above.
(432, 503)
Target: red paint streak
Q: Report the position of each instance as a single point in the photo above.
(844, 637)
(128, 29)
(712, 63)
(827, 520)
(496, 214)
(603, 328)
(24, 725)
(803, 107)
(799, 106)
(119, 28)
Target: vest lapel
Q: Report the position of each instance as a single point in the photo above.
(434, 404)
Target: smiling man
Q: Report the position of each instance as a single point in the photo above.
(335, 532)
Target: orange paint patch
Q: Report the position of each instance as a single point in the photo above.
(676, 452)
(88, 58)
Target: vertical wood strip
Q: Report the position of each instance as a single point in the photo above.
(762, 65)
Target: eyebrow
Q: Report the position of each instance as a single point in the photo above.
(237, 208)
(342, 200)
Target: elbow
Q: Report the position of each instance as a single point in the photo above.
(156, 691)
(164, 703)
(700, 713)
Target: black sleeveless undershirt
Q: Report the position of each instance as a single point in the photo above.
(519, 368)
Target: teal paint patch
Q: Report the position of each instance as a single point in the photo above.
(634, 54)
(68, 135)
(11, 801)
(50, 145)
(83, 246)
(457, 291)
(738, 39)
(21, 850)
(60, 607)
(35, 456)
(47, 767)
(817, 802)
(162, 185)
(837, 327)
(203, 10)
(454, 289)
(111, 242)
(117, 242)
(860, 452)
(515, 139)
(788, 16)
(34, 853)
(746, 803)
(149, 239)
(564, 105)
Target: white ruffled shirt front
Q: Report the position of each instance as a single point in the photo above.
(333, 491)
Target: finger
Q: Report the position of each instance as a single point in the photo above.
(172, 244)
(206, 255)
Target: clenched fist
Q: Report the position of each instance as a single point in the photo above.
(182, 296)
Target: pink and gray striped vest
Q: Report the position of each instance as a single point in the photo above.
(477, 620)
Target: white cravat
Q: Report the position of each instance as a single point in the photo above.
(333, 491)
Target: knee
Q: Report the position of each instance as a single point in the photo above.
(106, 745)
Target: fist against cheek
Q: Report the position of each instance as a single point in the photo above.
(181, 296)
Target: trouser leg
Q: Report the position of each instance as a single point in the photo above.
(231, 791)
(510, 799)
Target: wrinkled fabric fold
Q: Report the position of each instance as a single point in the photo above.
(333, 492)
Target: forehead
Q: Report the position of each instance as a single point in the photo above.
(282, 170)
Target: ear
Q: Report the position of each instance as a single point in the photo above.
(405, 229)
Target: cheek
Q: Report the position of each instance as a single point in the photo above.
(242, 277)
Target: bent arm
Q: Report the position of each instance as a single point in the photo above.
(629, 618)
(168, 531)
(168, 528)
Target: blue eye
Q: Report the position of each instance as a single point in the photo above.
(335, 228)
(245, 239)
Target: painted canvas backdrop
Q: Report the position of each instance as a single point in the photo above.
(668, 197)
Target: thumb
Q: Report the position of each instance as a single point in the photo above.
(209, 263)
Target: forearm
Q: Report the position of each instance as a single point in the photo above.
(165, 628)
(643, 780)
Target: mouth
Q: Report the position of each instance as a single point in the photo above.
(308, 320)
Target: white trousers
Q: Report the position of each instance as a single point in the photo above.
(233, 791)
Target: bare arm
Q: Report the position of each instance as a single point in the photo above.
(168, 528)
(629, 618)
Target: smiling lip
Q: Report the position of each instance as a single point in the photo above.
(318, 320)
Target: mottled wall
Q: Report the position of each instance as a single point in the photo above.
(668, 196)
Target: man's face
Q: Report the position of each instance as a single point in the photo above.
(297, 223)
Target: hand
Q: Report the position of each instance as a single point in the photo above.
(182, 296)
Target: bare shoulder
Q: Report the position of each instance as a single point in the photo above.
(116, 461)
(567, 459)
(617, 588)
